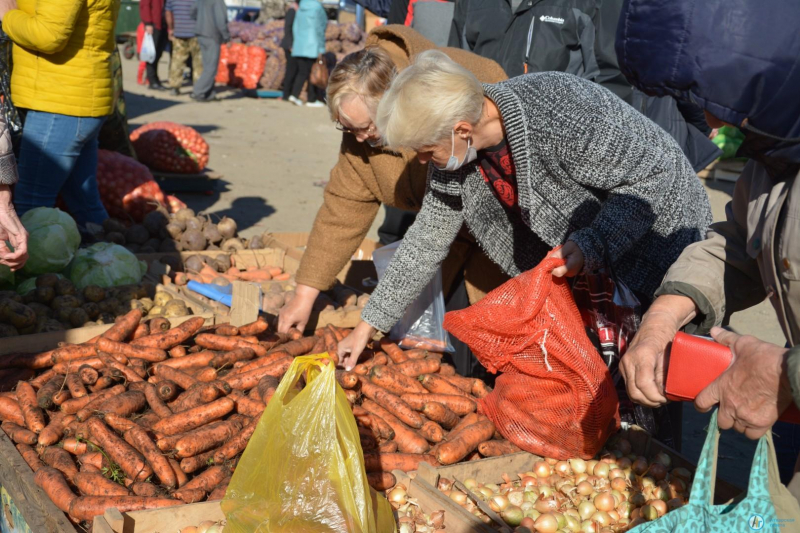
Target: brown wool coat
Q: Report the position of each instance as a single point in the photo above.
(365, 177)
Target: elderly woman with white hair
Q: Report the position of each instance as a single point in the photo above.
(529, 164)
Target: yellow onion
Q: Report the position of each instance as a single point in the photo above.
(578, 465)
(459, 497)
(189, 529)
(529, 481)
(604, 501)
(546, 491)
(445, 484)
(484, 493)
(498, 503)
(615, 473)
(546, 505)
(601, 470)
(492, 487)
(640, 466)
(547, 523)
(619, 484)
(531, 495)
(613, 514)
(512, 515)
(527, 522)
(515, 497)
(585, 488)
(526, 505)
(581, 477)
(664, 459)
(572, 524)
(624, 509)
(398, 495)
(638, 499)
(588, 526)
(649, 513)
(586, 509)
(657, 471)
(659, 505)
(551, 460)
(563, 468)
(203, 526)
(471, 483)
(602, 518)
(590, 466)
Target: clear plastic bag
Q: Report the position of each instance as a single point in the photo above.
(148, 51)
(303, 470)
(421, 325)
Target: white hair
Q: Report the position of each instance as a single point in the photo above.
(426, 100)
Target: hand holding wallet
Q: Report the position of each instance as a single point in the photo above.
(694, 362)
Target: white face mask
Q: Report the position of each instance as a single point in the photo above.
(452, 163)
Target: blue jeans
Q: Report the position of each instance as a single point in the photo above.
(58, 155)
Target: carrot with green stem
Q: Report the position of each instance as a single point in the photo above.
(129, 460)
(394, 381)
(91, 484)
(31, 412)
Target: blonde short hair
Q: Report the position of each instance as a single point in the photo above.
(426, 100)
(365, 74)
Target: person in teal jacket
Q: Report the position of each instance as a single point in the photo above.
(309, 42)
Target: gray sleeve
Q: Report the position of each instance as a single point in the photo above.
(8, 164)
(416, 261)
(221, 20)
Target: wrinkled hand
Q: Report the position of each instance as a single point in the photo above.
(644, 364)
(296, 313)
(11, 230)
(148, 28)
(574, 258)
(350, 347)
(754, 391)
(6, 6)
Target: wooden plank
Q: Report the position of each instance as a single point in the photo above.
(491, 469)
(162, 520)
(245, 303)
(457, 519)
(16, 478)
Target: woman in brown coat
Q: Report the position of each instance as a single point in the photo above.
(367, 175)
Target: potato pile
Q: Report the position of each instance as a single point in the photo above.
(56, 304)
(183, 231)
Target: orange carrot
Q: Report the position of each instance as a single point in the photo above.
(87, 507)
(74, 446)
(124, 404)
(247, 406)
(446, 369)
(393, 351)
(394, 381)
(143, 488)
(180, 475)
(160, 465)
(190, 495)
(248, 380)
(388, 446)
(72, 352)
(61, 396)
(120, 370)
(205, 375)
(200, 394)
(381, 481)
(266, 388)
(233, 356)
(175, 375)
(219, 492)
(263, 361)
(71, 407)
(88, 375)
(414, 368)
(282, 277)
(405, 462)
(391, 403)
(480, 389)
(69, 367)
(463, 384)
(462, 443)
(296, 347)
(206, 438)
(193, 464)
(173, 337)
(53, 431)
(439, 413)
(159, 325)
(98, 485)
(177, 351)
(254, 328)
(95, 459)
(153, 355)
(459, 404)
(129, 460)
(218, 342)
(60, 460)
(226, 330)
(75, 386)
(237, 444)
(347, 380)
(30, 456)
(124, 326)
(42, 378)
(496, 448)
(155, 402)
(432, 432)
(142, 330)
(195, 417)
(11, 411)
(408, 441)
(19, 434)
(167, 390)
(33, 414)
(417, 353)
(195, 360)
(52, 482)
(208, 480)
(44, 396)
(439, 385)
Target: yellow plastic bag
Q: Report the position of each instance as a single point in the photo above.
(303, 470)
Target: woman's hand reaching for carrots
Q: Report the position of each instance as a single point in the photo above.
(350, 347)
(574, 260)
(297, 312)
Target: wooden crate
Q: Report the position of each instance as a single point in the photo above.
(40, 342)
(166, 520)
(422, 487)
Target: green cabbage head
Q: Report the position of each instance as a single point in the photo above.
(52, 242)
(106, 265)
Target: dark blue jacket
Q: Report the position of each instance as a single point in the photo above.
(737, 59)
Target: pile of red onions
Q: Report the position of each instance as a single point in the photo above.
(613, 493)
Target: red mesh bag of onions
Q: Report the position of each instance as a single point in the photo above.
(555, 396)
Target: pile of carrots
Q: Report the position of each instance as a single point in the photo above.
(148, 415)
(251, 273)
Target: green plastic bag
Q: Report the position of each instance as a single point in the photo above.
(303, 470)
(768, 505)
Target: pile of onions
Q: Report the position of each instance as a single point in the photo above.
(207, 526)
(410, 518)
(613, 493)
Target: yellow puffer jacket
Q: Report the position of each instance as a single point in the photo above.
(62, 55)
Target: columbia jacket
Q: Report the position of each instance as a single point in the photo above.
(62, 55)
(749, 77)
(308, 29)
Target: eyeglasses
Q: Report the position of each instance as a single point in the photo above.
(369, 130)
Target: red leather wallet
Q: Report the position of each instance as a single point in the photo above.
(694, 362)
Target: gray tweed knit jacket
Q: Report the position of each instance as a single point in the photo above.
(590, 169)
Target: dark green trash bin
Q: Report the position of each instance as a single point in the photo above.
(128, 19)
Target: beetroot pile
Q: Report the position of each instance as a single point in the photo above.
(170, 147)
